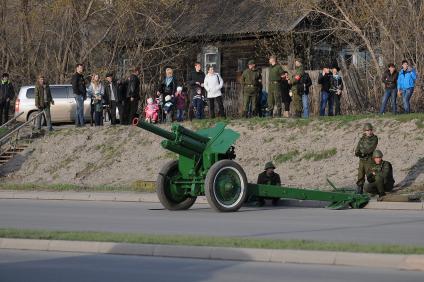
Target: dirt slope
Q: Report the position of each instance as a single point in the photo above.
(305, 152)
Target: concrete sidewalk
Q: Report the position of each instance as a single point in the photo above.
(400, 262)
(152, 198)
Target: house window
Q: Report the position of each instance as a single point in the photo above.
(241, 64)
(211, 57)
(211, 60)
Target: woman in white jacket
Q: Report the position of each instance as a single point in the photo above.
(213, 84)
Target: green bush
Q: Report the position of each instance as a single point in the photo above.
(321, 155)
(289, 156)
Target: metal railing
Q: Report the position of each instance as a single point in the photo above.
(10, 140)
(10, 121)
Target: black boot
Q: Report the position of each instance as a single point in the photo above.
(360, 189)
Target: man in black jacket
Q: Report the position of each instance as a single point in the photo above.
(336, 88)
(7, 93)
(133, 93)
(324, 79)
(123, 104)
(112, 97)
(390, 77)
(80, 93)
(195, 80)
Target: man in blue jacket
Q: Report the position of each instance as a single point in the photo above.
(406, 84)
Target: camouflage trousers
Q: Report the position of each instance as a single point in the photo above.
(378, 187)
(297, 104)
(250, 97)
(363, 169)
(274, 97)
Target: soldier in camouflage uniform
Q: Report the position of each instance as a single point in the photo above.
(269, 177)
(297, 97)
(380, 176)
(364, 150)
(251, 82)
(274, 95)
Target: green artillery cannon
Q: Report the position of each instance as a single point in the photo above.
(206, 166)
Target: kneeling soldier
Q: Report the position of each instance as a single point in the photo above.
(380, 176)
(268, 177)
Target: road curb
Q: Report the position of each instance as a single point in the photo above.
(152, 198)
(398, 262)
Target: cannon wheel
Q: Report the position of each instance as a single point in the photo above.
(169, 195)
(226, 186)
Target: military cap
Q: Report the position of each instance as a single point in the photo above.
(251, 62)
(269, 165)
(368, 126)
(377, 154)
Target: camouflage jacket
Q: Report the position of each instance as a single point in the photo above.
(275, 72)
(298, 72)
(251, 77)
(273, 179)
(366, 147)
(383, 171)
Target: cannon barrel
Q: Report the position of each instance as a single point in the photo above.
(187, 132)
(178, 149)
(156, 130)
(181, 140)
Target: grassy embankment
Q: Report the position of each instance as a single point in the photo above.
(143, 186)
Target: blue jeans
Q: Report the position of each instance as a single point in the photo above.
(180, 114)
(406, 97)
(198, 105)
(79, 114)
(305, 103)
(98, 118)
(389, 93)
(323, 104)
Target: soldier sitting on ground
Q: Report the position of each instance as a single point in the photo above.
(380, 176)
(269, 177)
(366, 146)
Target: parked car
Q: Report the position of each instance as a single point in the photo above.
(63, 109)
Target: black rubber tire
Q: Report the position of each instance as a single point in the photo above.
(213, 201)
(171, 168)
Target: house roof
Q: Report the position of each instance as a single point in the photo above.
(236, 17)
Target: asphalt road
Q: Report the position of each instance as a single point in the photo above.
(53, 266)
(366, 226)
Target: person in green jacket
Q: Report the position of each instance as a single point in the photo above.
(380, 176)
(268, 177)
(364, 150)
(251, 82)
(43, 100)
(274, 95)
(297, 97)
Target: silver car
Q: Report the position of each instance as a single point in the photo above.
(63, 109)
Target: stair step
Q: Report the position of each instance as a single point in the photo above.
(5, 158)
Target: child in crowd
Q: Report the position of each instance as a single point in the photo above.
(180, 101)
(168, 108)
(152, 111)
(199, 102)
(160, 101)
